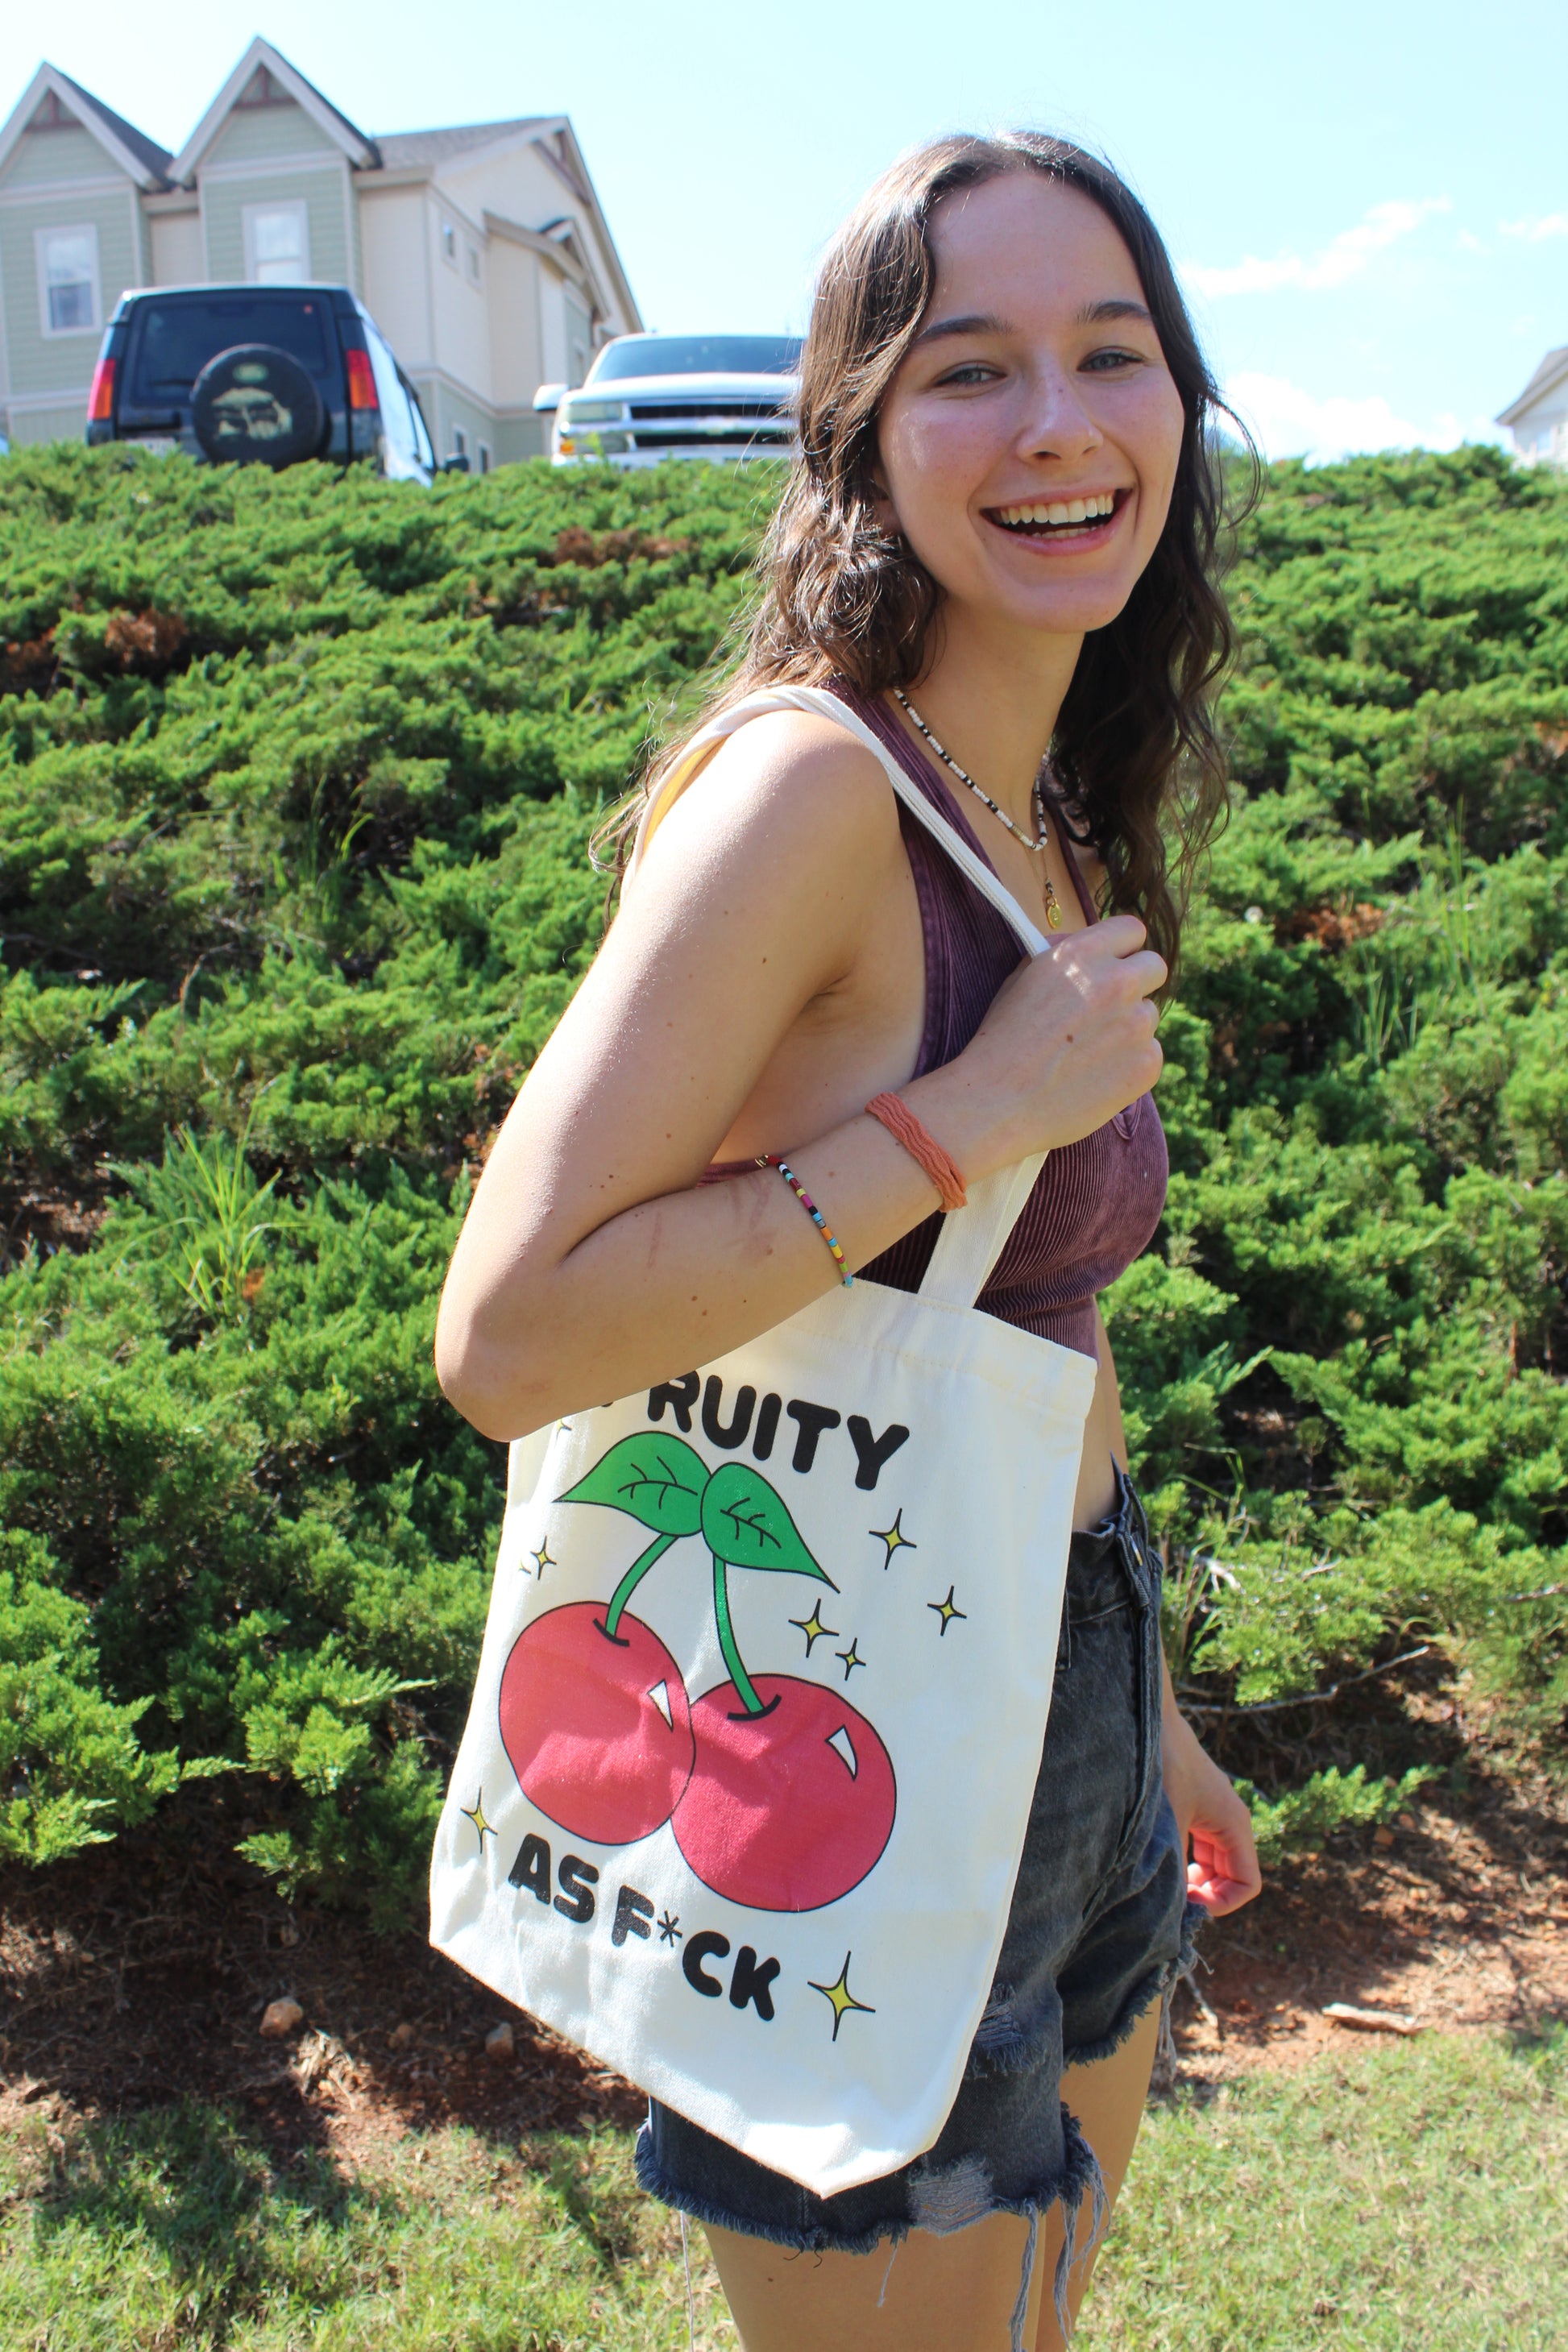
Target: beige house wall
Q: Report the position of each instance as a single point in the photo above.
(461, 313)
(177, 250)
(516, 340)
(396, 268)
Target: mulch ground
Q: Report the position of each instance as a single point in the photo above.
(128, 1980)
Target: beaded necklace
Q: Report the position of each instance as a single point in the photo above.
(1037, 847)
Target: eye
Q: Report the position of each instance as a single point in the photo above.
(970, 371)
(1104, 363)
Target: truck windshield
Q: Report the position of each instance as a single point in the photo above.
(174, 340)
(697, 355)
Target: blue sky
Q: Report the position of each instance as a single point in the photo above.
(1369, 202)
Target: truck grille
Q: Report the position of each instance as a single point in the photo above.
(656, 411)
(739, 436)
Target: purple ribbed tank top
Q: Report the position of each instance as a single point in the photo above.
(1098, 1201)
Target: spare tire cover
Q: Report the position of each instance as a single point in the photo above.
(255, 405)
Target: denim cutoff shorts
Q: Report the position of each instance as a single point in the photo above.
(1100, 1929)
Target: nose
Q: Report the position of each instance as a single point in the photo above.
(1057, 421)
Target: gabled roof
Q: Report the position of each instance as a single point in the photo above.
(130, 149)
(262, 57)
(401, 147)
(1552, 367)
(552, 139)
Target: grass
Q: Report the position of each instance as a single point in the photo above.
(1382, 2201)
(1396, 2198)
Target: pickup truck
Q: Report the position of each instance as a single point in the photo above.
(648, 398)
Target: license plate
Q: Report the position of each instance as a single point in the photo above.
(157, 445)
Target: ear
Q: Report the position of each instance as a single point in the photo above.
(883, 510)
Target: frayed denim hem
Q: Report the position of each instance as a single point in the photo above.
(940, 2202)
(712, 2215)
(960, 2195)
(1159, 1984)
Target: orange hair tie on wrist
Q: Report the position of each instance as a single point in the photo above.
(923, 1147)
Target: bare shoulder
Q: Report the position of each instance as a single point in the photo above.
(791, 811)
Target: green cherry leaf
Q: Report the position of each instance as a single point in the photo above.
(746, 1523)
(655, 1478)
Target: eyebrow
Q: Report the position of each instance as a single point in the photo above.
(986, 322)
(977, 322)
(1094, 314)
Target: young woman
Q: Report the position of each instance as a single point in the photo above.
(996, 547)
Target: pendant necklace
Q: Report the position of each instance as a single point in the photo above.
(1037, 848)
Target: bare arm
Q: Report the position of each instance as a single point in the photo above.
(593, 1262)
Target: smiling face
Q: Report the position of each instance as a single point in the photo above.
(1029, 442)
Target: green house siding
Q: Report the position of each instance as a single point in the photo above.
(521, 436)
(67, 424)
(326, 200)
(41, 362)
(59, 154)
(445, 409)
(256, 134)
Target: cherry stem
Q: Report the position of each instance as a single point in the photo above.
(632, 1578)
(738, 1675)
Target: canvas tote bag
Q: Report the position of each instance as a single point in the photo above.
(764, 1690)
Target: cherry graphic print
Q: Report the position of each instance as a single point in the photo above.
(781, 1796)
(597, 1726)
(787, 1808)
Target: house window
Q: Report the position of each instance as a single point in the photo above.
(473, 253)
(276, 243)
(484, 457)
(459, 442)
(448, 243)
(68, 280)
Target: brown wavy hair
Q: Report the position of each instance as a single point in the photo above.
(1137, 765)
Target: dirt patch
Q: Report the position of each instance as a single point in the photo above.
(1457, 1917)
(126, 1984)
(128, 1980)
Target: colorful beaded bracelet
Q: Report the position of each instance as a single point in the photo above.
(772, 1160)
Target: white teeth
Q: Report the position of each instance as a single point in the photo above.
(1062, 512)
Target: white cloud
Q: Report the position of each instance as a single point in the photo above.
(1536, 231)
(1344, 256)
(1288, 422)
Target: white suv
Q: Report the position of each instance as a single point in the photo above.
(648, 398)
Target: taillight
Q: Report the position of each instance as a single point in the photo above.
(100, 399)
(361, 382)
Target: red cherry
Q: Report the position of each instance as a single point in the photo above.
(787, 1810)
(598, 1728)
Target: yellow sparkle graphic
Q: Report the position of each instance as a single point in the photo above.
(842, 1998)
(946, 1611)
(894, 1538)
(851, 1657)
(541, 1558)
(814, 1628)
(476, 1813)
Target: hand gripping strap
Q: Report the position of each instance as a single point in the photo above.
(971, 1239)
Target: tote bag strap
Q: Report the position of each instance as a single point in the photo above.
(821, 704)
(971, 1239)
